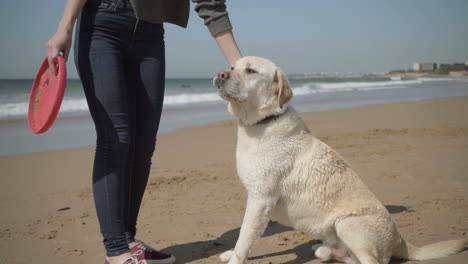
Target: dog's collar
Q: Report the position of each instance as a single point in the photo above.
(269, 118)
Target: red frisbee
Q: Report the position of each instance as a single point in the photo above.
(46, 96)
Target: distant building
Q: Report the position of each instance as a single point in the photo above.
(455, 67)
(424, 66)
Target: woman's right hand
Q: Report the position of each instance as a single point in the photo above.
(60, 42)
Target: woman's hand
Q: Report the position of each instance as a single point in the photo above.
(59, 43)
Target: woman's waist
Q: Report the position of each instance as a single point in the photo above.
(109, 6)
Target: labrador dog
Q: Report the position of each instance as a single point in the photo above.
(298, 180)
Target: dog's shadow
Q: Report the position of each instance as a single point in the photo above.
(203, 249)
(193, 251)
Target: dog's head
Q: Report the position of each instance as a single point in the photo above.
(255, 88)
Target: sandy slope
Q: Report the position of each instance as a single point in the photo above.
(414, 156)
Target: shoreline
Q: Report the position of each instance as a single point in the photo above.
(25, 119)
(412, 155)
(227, 121)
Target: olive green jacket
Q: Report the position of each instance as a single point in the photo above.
(177, 12)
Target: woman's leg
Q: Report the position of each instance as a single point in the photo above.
(145, 72)
(100, 63)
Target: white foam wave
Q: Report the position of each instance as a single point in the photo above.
(18, 106)
(314, 87)
(13, 109)
(21, 109)
(346, 86)
(77, 105)
(187, 98)
(303, 90)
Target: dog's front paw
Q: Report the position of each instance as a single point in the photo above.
(324, 253)
(226, 256)
(230, 257)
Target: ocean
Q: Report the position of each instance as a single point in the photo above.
(190, 102)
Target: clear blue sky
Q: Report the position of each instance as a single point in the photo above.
(299, 35)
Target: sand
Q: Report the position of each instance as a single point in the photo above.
(414, 156)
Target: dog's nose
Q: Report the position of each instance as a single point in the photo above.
(223, 75)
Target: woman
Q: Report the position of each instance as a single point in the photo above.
(119, 54)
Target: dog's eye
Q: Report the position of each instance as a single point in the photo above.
(249, 70)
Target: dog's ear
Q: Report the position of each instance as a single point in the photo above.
(282, 89)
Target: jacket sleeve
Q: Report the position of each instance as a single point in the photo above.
(214, 13)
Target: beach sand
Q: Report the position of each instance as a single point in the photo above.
(413, 156)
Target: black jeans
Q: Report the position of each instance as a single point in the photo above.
(121, 63)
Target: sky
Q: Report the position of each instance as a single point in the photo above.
(300, 36)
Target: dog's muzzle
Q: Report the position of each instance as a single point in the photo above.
(219, 83)
(220, 78)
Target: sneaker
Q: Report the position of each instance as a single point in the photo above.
(148, 255)
(132, 260)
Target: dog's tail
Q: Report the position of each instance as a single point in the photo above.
(431, 251)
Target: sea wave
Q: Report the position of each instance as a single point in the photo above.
(355, 86)
(393, 83)
(20, 109)
(18, 106)
(187, 98)
(79, 105)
